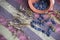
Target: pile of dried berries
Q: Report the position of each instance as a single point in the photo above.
(41, 4)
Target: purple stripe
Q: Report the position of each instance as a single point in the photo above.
(5, 13)
(2, 37)
(57, 6)
(24, 3)
(56, 36)
(14, 3)
(31, 34)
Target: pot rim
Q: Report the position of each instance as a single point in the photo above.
(41, 11)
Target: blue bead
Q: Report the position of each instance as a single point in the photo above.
(17, 20)
(43, 2)
(38, 8)
(47, 34)
(36, 5)
(43, 31)
(39, 19)
(38, 22)
(53, 22)
(35, 21)
(47, 20)
(49, 31)
(43, 24)
(44, 6)
(32, 24)
(39, 29)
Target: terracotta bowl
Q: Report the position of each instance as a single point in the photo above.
(30, 2)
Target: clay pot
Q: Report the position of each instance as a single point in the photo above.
(30, 2)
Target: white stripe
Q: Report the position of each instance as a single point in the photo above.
(7, 34)
(40, 34)
(9, 8)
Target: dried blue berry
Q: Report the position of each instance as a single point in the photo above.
(43, 31)
(41, 4)
(53, 22)
(36, 5)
